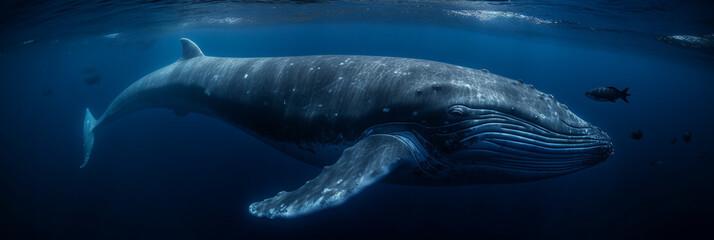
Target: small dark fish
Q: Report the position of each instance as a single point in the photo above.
(636, 135)
(605, 94)
(674, 140)
(47, 92)
(703, 155)
(687, 136)
(89, 70)
(656, 163)
(94, 79)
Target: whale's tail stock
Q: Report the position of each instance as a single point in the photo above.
(89, 124)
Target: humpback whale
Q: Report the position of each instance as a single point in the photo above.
(368, 119)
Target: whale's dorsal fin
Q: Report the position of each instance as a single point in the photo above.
(361, 165)
(190, 50)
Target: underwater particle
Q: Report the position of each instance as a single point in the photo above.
(111, 35)
(245, 76)
(687, 136)
(415, 113)
(94, 79)
(47, 92)
(703, 155)
(247, 92)
(385, 110)
(656, 163)
(28, 41)
(319, 105)
(674, 140)
(637, 135)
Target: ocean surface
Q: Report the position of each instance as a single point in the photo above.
(154, 175)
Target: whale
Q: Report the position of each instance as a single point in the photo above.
(370, 119)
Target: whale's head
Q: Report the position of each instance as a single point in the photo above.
(515, 148)
(505, 131)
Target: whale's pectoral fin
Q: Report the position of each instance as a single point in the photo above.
(361, 165)
(89, 124)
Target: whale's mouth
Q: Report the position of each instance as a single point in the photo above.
(500, 140)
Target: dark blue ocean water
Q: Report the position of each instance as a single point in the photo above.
(155, 175)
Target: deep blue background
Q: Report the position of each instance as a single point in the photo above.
(155, 175)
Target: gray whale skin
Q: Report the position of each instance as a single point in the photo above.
(367, 119)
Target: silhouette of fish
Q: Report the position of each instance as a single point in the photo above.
(94, 79)
(605, 94)
(636, 135)
(687, 136)
(656, 163)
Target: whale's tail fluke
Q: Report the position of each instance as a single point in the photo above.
(89, 124)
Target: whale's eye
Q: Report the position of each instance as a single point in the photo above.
(457, 111)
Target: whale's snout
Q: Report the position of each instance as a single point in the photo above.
(605, 148)
(524, 149)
